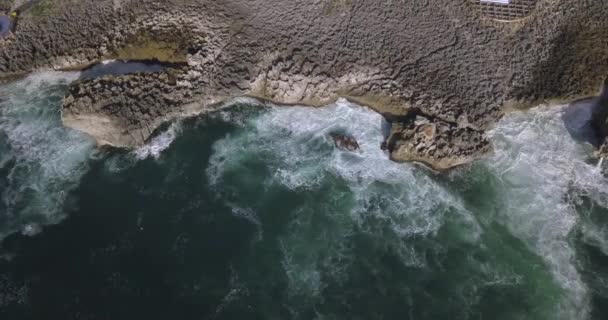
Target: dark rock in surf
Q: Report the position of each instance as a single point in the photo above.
(600, 115)
(386, 127)
(579, 119)
(600, 120)
(344, 142)
(587, 119)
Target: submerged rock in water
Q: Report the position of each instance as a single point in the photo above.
(345, 142)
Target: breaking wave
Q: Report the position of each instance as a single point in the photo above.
(158, 143)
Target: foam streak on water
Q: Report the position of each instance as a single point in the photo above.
(40, 160)
(388, 201)
(538, 164)
(535, 163)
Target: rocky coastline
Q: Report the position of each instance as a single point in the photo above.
(441, 72)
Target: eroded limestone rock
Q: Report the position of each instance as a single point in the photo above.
(437, 59)
(436, 143)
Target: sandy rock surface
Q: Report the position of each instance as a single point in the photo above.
(438, 69)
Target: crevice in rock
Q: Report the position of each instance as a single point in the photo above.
(124, 67)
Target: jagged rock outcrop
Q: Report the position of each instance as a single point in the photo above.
(133, 105)
(345, 142)
(439, 144)
(435, 61)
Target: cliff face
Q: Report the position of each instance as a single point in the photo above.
(439, 69)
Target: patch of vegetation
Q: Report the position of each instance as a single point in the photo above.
(145, 48)
(335, 6)
(41, 8)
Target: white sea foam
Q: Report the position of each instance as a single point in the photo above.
(44, 160)
(159, 143)
(389, 200)
(537, 164)
(407, 195)
(162, 141)
(249, 215)
(237, 291)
